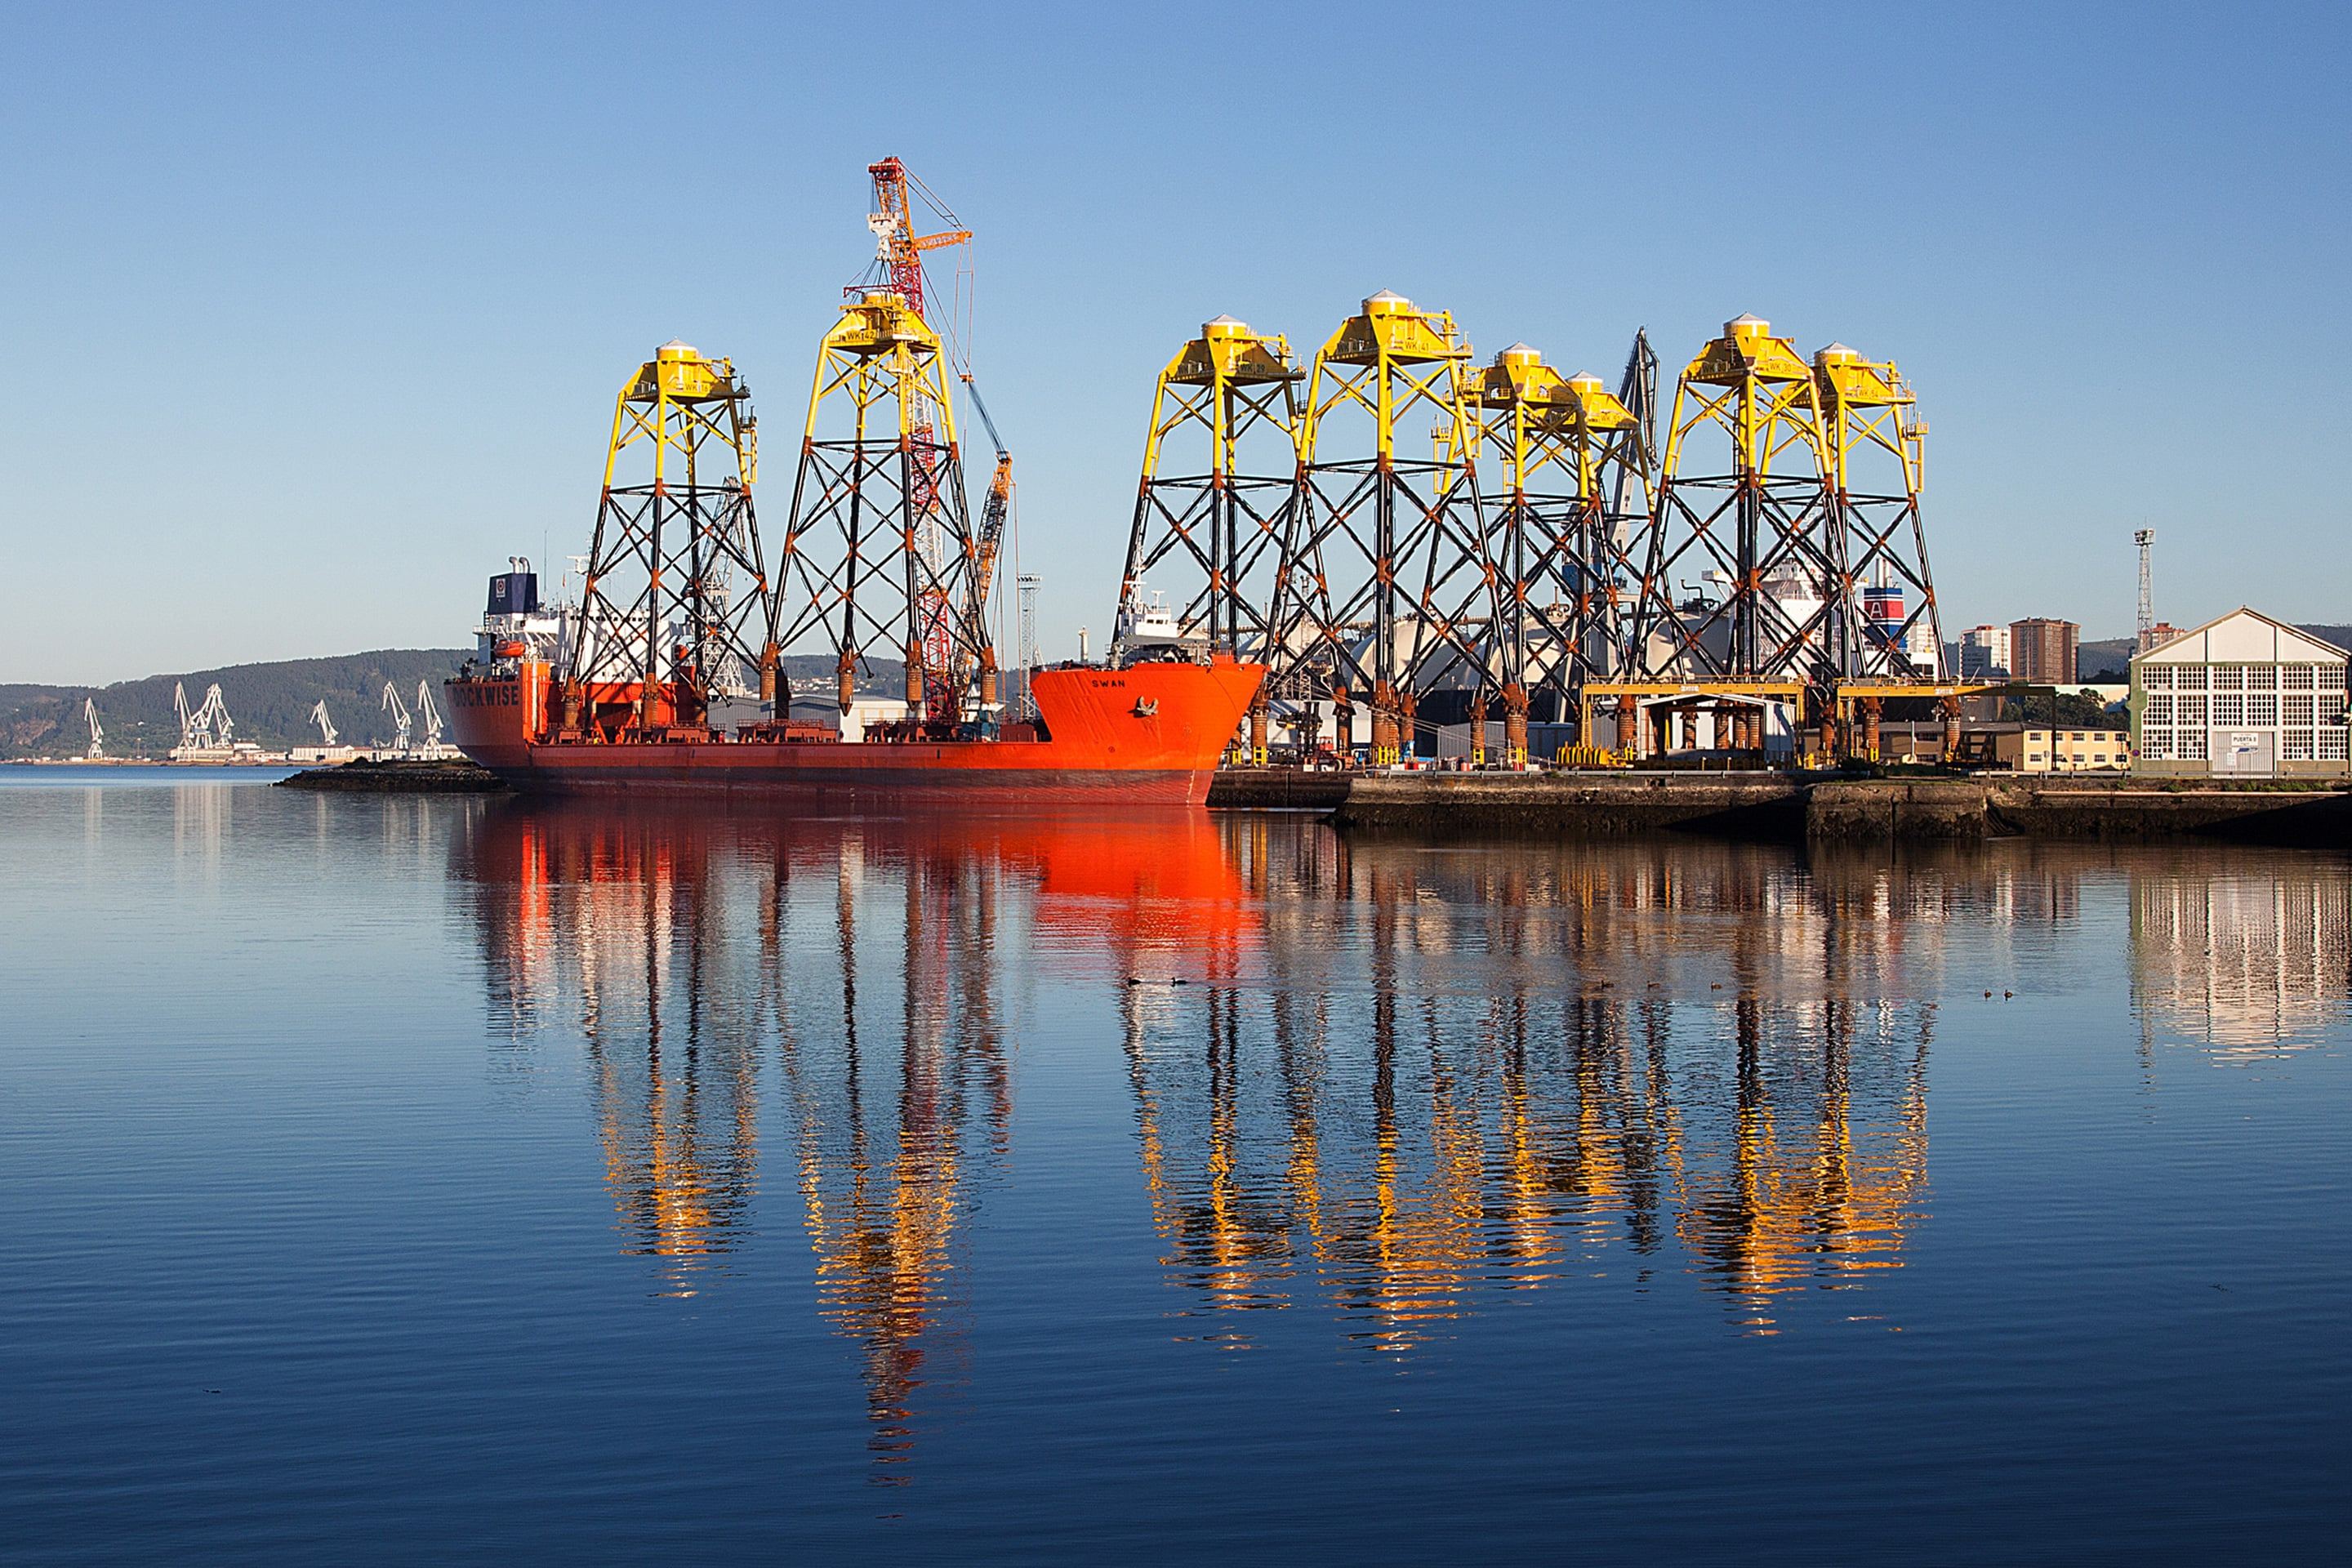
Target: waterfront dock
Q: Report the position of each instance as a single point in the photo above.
(1794, 807)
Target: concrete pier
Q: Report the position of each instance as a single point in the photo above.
(1788, 807)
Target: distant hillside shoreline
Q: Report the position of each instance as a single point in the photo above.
(271, 703)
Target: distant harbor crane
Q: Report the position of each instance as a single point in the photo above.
(326, 725)
(206, 729)
(430, 717)
(400, 719)
(97, 735)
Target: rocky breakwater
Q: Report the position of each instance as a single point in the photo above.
(457, 776)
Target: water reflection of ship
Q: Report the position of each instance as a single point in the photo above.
(628, 925)
(1467, 1071)
(864, 960)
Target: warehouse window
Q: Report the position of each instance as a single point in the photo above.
(2262, 677)
(2190, 712)
(2227, 676)
(2262, 708)
(2157, 710)
(2228, 710)
(2156, 745)
(2189, 745)
(2331, 744)
(2298, 677)
(2294, 709)
(2155, 677)
(2188, 678)
(2331, 678)
(2294, 745)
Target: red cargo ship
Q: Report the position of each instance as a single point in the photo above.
(1150, 734)
(644, 682)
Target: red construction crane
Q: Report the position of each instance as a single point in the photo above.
(898, 247)
(898, 253)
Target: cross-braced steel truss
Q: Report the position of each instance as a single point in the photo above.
(676, 599)
(1746, 574)
(1386, 585)
(1566, 459)
(1878, 465)
(880, 552)
(1228, 399)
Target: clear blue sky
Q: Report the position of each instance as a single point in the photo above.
(311, 315)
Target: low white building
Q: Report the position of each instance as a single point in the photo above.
(2240, 697)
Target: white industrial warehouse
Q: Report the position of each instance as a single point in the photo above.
(2240, 697)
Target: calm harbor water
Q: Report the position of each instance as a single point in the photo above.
(447, 1180)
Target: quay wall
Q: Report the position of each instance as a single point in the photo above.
(1791, 807)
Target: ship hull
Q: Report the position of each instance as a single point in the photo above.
(1150, 735)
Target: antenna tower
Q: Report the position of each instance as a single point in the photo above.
(2145, 539)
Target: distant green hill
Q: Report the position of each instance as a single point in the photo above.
(271, 703)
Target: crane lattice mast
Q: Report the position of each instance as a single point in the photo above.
(399, 718)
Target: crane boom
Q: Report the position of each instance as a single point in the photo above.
(97, 735)
(326, 725)
(399, 712)
(999, 504)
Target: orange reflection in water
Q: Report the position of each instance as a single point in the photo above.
(859, 964)
(1482, 1069)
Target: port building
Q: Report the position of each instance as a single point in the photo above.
(2019, 747)
(2044, 652)
(1984, 653)
(2240, 697)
